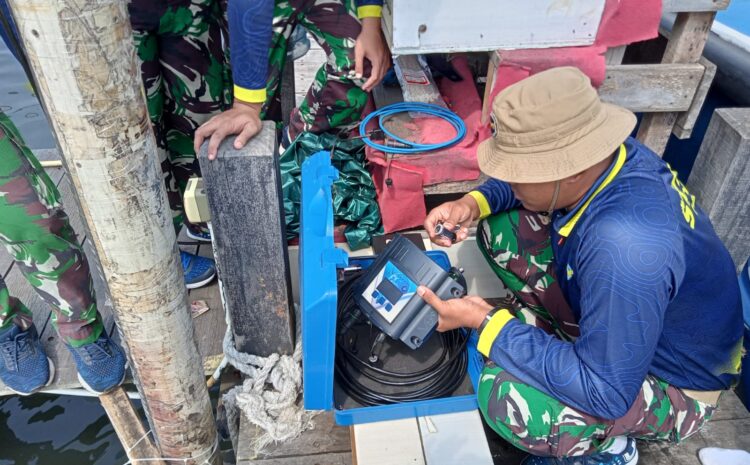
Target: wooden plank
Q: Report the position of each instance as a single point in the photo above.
(731, 408)
(459, 187)
(336, 458)
(250, 242)
(651, 88)
(286, 92)
(683, 127)
(393, 442)
(211, 326)
(685, 45)
(129, 427)
(454, 438)
(72, 208)
(55, 174)
(614, 55)
(678, 6)
(326, 438)
(720, 179)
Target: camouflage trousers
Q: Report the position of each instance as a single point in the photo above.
(36, 231)
(517, 246)
(185, 72)
(335, 99)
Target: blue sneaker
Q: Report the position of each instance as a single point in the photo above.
(101, 364)
(24, 367)
(629, 456)
(198, 270)
(197, 233)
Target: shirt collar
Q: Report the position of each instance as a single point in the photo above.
(572, 217)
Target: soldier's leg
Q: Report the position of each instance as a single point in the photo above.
(517, 247)
(12, 311)
(335, 99)
(539, 424)
(192, 64)
(285, 18)
(36, 231)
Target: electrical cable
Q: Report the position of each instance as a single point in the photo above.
(404, 146)
(437, 380)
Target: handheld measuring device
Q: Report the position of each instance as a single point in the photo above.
(387, 292)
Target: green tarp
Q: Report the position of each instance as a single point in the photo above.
(353, 192)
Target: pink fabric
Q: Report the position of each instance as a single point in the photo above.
(402, 204)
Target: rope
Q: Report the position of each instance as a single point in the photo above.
(404, 146)
(209, 454)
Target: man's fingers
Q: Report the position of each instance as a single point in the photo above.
(430, 297)
(372, 81)
(245, 135)
(200, 135)
(213, 143)
(359, 62)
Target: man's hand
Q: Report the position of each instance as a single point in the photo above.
(466, 312)
(462, 211)
(242, 119)
(371, 45)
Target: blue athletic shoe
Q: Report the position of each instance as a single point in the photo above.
(629, 456)
(197, 234)
(101, 364)
(198, 270)
(25, 367)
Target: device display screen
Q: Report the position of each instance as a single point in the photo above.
(390, 291)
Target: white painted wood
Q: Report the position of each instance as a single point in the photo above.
(84, 63)
(394, 442)
(430, 26)
(454, 438)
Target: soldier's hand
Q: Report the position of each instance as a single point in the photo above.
(371, 45)
(466, 312)
(242, 119)
(459, 212)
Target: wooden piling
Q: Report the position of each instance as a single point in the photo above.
(82, 55)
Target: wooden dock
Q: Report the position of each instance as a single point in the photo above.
(209, 327)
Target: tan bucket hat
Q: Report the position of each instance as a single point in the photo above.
(550, 126)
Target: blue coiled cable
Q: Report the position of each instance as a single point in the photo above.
(407, 146)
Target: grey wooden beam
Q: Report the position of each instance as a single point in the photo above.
(720, 179)
(247, 217)
(652, 88)
(679, 6)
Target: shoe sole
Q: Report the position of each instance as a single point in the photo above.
(49, 381)
(198, 284)
(98, 393)
(195, 237)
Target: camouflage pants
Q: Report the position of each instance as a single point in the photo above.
(185, 73)
(517, 247)
(36, 231)
(335, 99)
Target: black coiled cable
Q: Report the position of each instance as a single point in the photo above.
(437, 380)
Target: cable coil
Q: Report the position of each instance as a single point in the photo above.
(439, 379)
(407, 147)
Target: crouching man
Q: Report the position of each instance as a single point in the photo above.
(625, 317)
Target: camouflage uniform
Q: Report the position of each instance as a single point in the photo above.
(334, 99)
(36, 231)
(186, 76)
(517, 246)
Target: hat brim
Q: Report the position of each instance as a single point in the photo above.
(551, 163)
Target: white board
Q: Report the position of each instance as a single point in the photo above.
(444, 26)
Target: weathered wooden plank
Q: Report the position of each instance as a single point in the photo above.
(393, 442)
(651, 88)
(55, 174)
(683, 127)
(614, 55)
(459, 187)
(211, 326)
(335, 458)
(325, 438)
(720, 179)
(678, 6)
(685, 45)
(250, 242)
(731, 408)
(129, 427)
(286, 93)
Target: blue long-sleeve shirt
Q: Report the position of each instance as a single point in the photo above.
(250, 24)
(652, 286)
